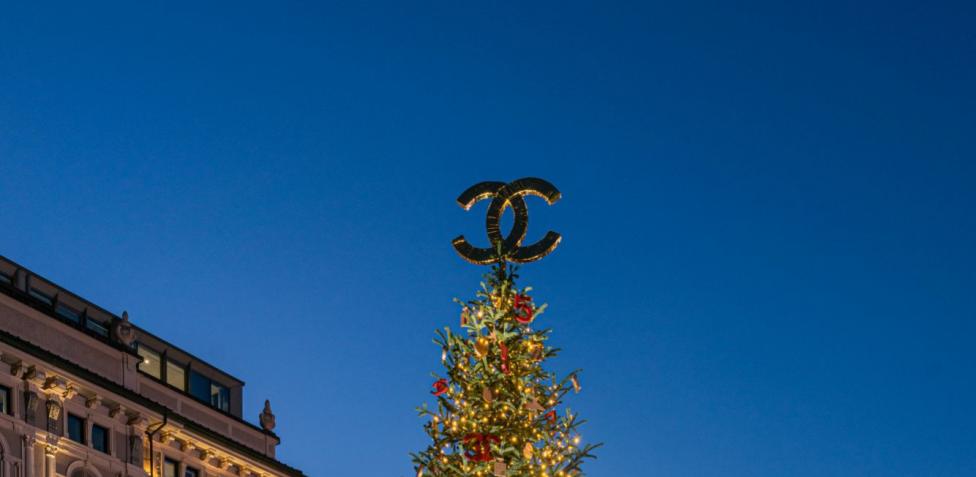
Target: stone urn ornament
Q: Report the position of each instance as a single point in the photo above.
(123, 331)
(267, 418)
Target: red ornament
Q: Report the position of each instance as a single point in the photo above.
(440, 387)
(523, 309)
(478, 446)
(551, 417)
(501, 344)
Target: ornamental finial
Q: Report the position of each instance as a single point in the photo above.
(267, 418)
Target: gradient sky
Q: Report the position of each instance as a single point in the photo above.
(767, 266)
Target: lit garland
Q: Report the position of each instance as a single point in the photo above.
(498, 412)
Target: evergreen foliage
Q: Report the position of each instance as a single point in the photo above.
(498, 411)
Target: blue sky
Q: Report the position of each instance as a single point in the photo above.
(767, 265)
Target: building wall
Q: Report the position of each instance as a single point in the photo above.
(49, 365)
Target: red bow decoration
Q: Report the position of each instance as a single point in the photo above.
(551, 417)
(523, 309)
(501, 344)
(479, 446)
(440, 387)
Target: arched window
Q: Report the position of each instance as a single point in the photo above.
(82, 472)
(81, 469)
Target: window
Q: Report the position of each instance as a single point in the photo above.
(97, 327)
(175, 375)
(169, 468)
(151, 363)
(44, 297)
(67, 313)
(4, 278)
(5, 400)
(191, 472)
(76, 428)
(199, 386)
(99, 438)
(219, 397)
(210, 392)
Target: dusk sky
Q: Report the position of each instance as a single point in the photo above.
(768, 212)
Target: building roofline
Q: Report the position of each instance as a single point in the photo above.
(114, 317)
(112, 386)
(192, 356)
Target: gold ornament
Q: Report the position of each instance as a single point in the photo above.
(481, 347)
(501, 302)
(534, 349)
(486, 395)
(528, 450)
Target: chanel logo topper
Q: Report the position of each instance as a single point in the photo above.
(502, 197)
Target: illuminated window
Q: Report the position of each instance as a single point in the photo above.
(219, 397)
(169, 468)
(175, 375)
(151, 363)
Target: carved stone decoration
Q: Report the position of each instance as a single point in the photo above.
(50, 383)
(186, 446)
(135, 450)
(123, 331)
(93, 401)
(31, 373)
(166, 437)
(69, 392)
(54, 417)
(223, 463)
(115, 410)
(206, 454)
(17, 368)
(135, 419)
(267, 418)
(31, 402)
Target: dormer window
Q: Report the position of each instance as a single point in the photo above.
(41, 296)
(210, 392)
(175, 375)
(96, 326)
(66, 312)
(151, 362)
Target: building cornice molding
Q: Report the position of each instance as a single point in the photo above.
(89, 382)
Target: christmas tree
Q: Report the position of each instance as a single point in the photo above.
(499, 412)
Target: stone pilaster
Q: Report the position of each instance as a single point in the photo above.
(50, 461)
(29, 443)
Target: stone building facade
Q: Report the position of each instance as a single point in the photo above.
(86, 393)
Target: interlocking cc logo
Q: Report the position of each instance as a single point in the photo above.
(502, 197)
